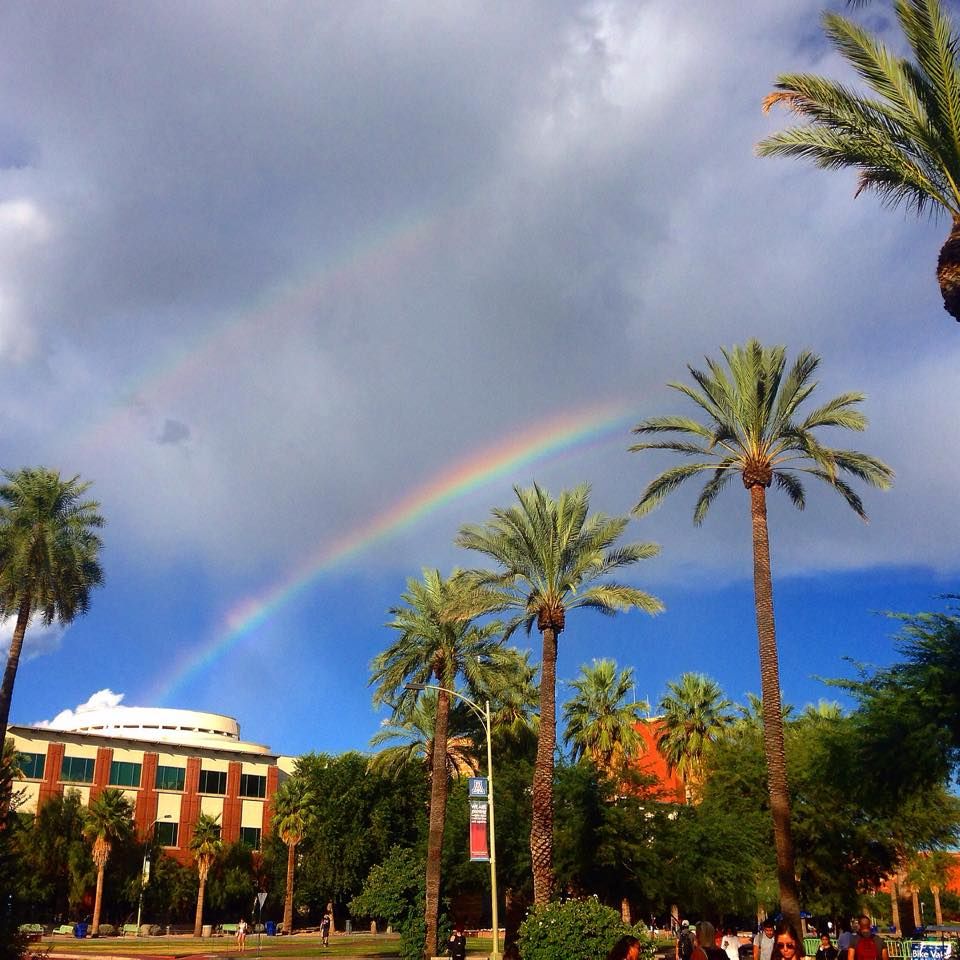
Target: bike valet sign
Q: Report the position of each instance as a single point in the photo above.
(479, 848)
(929, 951)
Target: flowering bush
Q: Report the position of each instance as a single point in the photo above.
(584, 929)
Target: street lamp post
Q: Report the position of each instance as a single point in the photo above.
(484, 717)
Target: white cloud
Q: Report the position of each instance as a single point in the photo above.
(39, 639)
(101, 700)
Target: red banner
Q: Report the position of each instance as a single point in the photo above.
(478, 830)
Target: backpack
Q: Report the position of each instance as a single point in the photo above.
(867, 948)
(686, 944)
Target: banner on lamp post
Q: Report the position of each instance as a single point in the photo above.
(479, 850)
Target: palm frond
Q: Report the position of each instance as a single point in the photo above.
(666, 483)
(787, 482)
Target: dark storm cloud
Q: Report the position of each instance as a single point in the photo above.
(347, 244)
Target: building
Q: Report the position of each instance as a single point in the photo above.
(652, 763)
(173, 764)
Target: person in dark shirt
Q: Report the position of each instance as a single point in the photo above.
(827, 950)
(457, 944)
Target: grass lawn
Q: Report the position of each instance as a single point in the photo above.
(296, 946)
(341, 945)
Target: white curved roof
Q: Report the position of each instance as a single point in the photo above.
(163, 725)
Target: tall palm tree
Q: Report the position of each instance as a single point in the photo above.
(205, 845)
(929, 868)
(292, 809)
(551, 557)
(754, 430)
(108, 818)
(409, 739)
(904, 137)
(601, 717)
(48, 557)
(431, 645)
(694, 714)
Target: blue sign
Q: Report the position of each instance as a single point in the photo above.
(929, 951)
(477, 787)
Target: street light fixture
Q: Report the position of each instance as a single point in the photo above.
(484, 717)
(145, 871)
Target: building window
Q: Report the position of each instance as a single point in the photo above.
(31, 765)
(166, 833)
(252, 785)
(124, 774)
(213, 781)
(171, 778)
(77, 769)
(250, 837)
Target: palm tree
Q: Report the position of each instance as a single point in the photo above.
(108, 818)
(292, 809)
(754, 430)
(48, 557)
(205, 845)
(410, 740)
(432, 645)
(602, 716)
(551, 557)
(903, 139)
(694, 714)
(929, 868)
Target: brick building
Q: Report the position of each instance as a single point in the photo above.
(173, 765)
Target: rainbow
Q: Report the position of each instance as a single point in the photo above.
(541, 441)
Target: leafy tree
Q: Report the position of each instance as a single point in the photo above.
(695, 713)
(108, 818)
(551, 557)
(903, 138)
(292, 808)
(601, 718)
(754, 429)
(205, 845)
(431, 644)
(359, 816)
(48, 557)
(907, 725)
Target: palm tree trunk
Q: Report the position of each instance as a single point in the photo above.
(772, 708)
(198, 919)
(288, 899)
(541, 828)
(13, 660)
(438, 812)
(948, 271)
(895, 906)
(915, 904)
(937, 912)
(98, 899)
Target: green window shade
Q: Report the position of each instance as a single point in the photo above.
(77, 769)
(250, 837)
(166, 833)
(124, 774)
(31, 765)
(171, 778)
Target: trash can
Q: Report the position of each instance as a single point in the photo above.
(349, 926)
(80, 931)
(270, 927)
(207, 930)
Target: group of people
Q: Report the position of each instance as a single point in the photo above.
(777, 941)
(243, 928)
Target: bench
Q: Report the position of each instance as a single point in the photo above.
(130, 928)
(32, 931)
(66, 929)
(228, 929)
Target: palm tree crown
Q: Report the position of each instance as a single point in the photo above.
(904, 139)
(694, 714)
(755, 429)
(601, 718)
(48, 557)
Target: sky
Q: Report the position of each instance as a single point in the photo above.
(302, 288)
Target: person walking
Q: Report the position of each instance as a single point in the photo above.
(730, 944)
(685, 941)
(827, 950)
(325, 929)
(706, 948)
(457, 944)
(242, 935)
(787, 943)
(763, 941)
(868, 946)
(846, 940)
(626, 948)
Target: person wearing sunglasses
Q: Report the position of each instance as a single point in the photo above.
(787, 943)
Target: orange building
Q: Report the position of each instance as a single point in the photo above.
(652, 763)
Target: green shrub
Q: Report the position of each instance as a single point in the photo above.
(584, 929)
